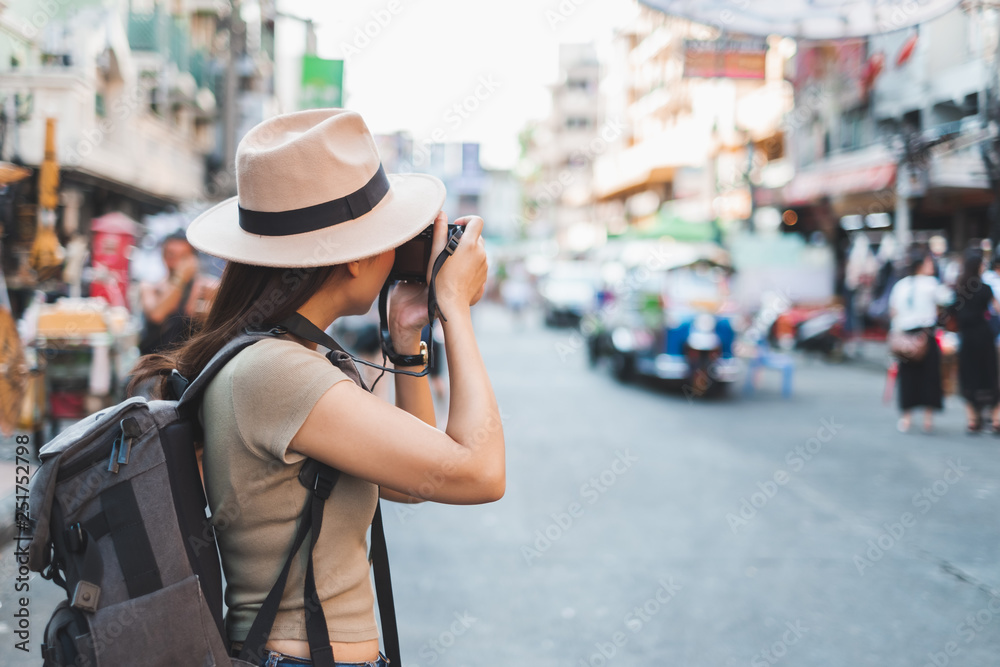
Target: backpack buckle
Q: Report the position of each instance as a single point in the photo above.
(85, 596)
(323, 486)
(178, 383)
(76, 539)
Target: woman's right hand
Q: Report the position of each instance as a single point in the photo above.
(462, 279)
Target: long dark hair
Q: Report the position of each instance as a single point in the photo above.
(969, 280)
(248, 297)
(915, 259)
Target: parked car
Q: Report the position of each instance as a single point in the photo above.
(567, 293)
(675, 325)
(811, 328)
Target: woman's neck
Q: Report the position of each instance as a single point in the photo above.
(322, 309)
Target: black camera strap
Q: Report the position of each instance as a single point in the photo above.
(384, 339)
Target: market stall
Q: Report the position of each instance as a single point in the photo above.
(81, 349)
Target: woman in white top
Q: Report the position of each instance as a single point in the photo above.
(913, 307)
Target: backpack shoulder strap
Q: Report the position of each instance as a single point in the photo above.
(196, 388)
(379, 558)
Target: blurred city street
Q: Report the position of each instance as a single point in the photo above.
(732, 258)
(618, 526)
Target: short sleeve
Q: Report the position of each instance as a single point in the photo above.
(895, 296)
(943, 295)
(276, 384)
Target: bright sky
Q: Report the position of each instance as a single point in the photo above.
(433, 54)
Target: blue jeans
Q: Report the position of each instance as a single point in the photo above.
(278, 659)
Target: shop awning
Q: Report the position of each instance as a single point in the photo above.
(814, 184)
(627, 185)
(807, 19)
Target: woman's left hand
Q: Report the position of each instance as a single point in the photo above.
(408, 301)
(407, 314)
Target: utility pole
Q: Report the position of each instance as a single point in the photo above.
(989, 112)
(230, 109)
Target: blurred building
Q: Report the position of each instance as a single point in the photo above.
(559, 155)
(150, 98)
(700, 121)
(493, 194)
(887, 133)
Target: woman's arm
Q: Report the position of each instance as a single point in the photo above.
(157, 304)
(399, 451)
(413, 395)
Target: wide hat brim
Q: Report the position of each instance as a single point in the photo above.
(412, 203)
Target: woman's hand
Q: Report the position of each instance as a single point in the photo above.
(462, 279)
(187, 269)
(408, 303)
(460, 283)
(407, 315)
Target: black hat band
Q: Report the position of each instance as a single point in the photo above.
(318, 216)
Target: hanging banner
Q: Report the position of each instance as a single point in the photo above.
(322, 83)
(806, 19)
(725, 58)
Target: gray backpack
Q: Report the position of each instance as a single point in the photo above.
(119, 521)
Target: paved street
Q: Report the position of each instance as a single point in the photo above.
(640, 528)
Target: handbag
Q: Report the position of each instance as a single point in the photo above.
(909, 345)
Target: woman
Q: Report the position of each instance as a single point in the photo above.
(977, 352)
(913, 306)
(313, 232)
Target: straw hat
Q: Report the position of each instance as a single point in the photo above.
(312, 192)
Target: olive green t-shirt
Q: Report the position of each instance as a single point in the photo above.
(251, 411)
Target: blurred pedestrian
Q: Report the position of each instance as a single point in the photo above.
(977, 352)
(859, 275)
(992, 278)
(913, 309)
(175, 306)
(516, 292)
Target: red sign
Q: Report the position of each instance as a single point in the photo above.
(809, 186)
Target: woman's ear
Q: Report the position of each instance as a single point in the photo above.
(354, 268)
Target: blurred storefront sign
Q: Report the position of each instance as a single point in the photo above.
(733, 58)
(808, 186)
(322, 83)
(958, 171)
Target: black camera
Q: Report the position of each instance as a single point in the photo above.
(414, 257)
